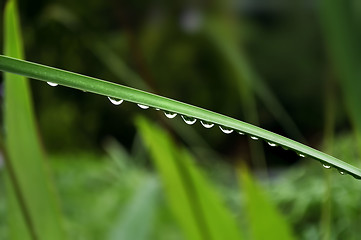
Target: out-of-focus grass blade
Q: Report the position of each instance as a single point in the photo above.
(248, 81)
(194, 202)
(264, 219)
(17, 228)
(30, 184)
(341, 34)
(138, 215)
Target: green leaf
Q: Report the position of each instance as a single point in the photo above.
(195, 204)
(265, 221)
(30, 185)
(101, 87)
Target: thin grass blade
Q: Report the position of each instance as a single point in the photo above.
(29, 180)
(109, 89)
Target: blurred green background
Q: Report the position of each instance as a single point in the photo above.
(291, 67)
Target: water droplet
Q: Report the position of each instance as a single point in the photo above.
(189, 120)
(272, 144)
(52, 84)
(241, 133)
(301, 155)
(115, 101)
(143, 106)
(157, 109)
(285, 148)
(226, 130)
(342, 172)
(207, 124)
(326, 166)
(170, 114)
(254, 137)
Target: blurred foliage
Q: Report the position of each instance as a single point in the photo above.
(96, 189)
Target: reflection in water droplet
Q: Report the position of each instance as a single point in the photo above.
(207, 124)
(342, 172)
(170, 114)
(301, 155)
(157, 109)
(189, 120)
(142, 106)
(115, 101)
(254, 137)
(241, 133)
(272, 144)
(52, 84)
(226, 130)
(326, 166)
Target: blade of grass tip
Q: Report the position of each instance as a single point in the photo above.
(137, 218)
(194, 202)
(264, 219)
(109, 89)
(341, 35)
(25, 162)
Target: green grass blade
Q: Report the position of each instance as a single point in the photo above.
(138, 215)
(17, 224)
(101, 87)
(264, 219)
(25, 163)
(195, 204)
(342, 37)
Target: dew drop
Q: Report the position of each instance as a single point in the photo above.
(301, 155)
(241, 133)
(326, 166)
(157, 109)
(143, 106)
(272, 144)
(254, 137)
(170, 114)
(189, 120)
(115, 101)
(207, 124)
(52, 84)
(226, 130)
(342, 172)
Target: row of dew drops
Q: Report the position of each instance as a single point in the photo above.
(191, 120)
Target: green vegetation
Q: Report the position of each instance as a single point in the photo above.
(112, 172)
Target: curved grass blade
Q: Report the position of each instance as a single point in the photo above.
(32, 203)
(101, 87)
